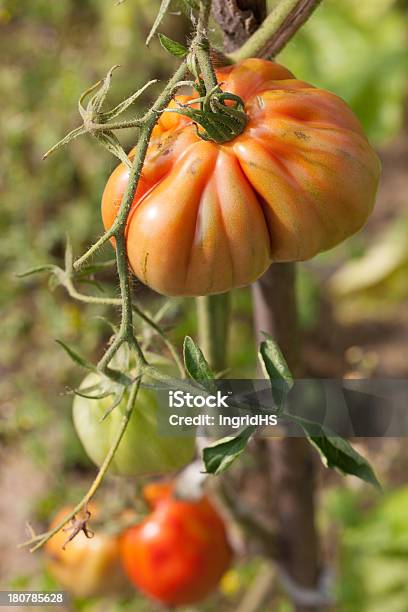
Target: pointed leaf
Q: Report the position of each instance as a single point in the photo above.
(36, 270)
(160, 16)
(95, 267)
(92, 397)
(194, 361)
(276, 369)
(219, 456)
(119, 397)
(67, 139)
(76, 357)
(98, 99)
(112, 144)
(83, 111)
(120, 108)
(336, 452)
(173, 47)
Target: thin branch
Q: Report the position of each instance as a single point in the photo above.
(109, 301)
(40, 539)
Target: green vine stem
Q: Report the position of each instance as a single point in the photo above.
(213, 324)
(40, 539)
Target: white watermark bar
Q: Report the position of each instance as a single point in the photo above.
(33, 598)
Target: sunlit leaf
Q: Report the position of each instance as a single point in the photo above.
(219, 456)
(337, 453)
(173, 47)
(194, 361)
(76, 358)
(276, 369)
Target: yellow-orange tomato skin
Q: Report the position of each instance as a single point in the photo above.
(87, 567)
(209, 217)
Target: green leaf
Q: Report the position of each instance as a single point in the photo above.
(79, 131)
(45, 268)
(118, 398)
(276, 369)
(76, 357)
(336, 452)
(219, 456)
(96, 102)
(120, 108)
(173, 47)
(160, 16)
(91, 397)
(112, 144)
(194, 361)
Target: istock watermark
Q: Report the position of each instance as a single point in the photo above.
(349, 407)
(181, 399)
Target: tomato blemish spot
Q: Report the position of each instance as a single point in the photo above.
(145, 266)
(301, 135)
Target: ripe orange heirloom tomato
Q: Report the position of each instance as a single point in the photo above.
(178, 554)
(88, 567)
(208, 217)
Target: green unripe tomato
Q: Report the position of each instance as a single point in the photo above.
(141, 451)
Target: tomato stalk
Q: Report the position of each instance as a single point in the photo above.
(213, 328)
(39, 540)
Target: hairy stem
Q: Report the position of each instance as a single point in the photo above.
(109, 301)
(40, 539)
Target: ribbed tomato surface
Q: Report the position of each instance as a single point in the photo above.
(208, 217)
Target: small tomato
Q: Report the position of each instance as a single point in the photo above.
(87, 567)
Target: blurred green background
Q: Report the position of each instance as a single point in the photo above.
(353, 300)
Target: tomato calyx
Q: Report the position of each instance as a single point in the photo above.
(220, 122)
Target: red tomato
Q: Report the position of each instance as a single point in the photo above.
(208, 217)
(178, 554)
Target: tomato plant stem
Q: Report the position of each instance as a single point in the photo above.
(213, 325)
(40, 539)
